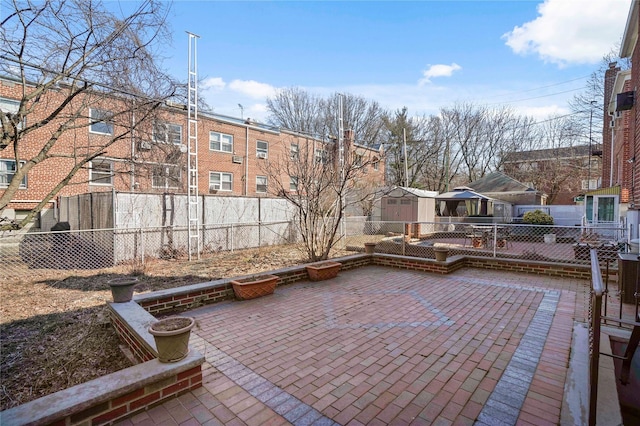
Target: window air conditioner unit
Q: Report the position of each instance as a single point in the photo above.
(237, 159)
(262, 155)
(144, 146)
(214, 189)
(624, 101)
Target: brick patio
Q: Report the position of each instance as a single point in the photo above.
(381, 345)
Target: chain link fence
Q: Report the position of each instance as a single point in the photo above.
(27, 254)
(24, 255)
(564, 244)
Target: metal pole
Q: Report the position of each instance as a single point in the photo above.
(406, 167)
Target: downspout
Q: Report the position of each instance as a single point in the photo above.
(611, 161)
(246, 161)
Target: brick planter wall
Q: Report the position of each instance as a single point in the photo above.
(112, 397)
(136, 388)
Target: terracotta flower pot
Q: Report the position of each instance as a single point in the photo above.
(257, 286)
(323, 270)
(369, 248)
(172, 337)
(122, 289)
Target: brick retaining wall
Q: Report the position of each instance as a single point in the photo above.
(123, 393)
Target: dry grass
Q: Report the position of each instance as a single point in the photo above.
(54, 327)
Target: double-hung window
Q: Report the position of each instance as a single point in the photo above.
(262, 149)
(7, 171)
(321, 156)
(294, 152)
(101, 121)
(167, 133)
(167, 177)
(101, 172)
(220, 181)
(10, 107)
(220, 142)
(293, 183)
(261, 184)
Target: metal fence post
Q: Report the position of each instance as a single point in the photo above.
(405, 231)
(231, 237)
(595, 311)
(141, 246)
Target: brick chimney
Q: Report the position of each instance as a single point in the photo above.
(609, 81)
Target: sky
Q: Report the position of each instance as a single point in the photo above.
(532, 56)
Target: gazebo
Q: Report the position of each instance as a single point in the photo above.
(465, 202)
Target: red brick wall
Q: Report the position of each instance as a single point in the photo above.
(133, 164)
(634, 129)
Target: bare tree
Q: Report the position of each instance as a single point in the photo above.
(423, 150)
(77, 65)
(554, 160)
(298, 110)
(313, 181)
(589, 106)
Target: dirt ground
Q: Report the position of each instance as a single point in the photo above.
(54, 327)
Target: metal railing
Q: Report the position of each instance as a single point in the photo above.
(21, 254)
(564, 244)
(597, 317)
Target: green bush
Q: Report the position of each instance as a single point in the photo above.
(537, 217)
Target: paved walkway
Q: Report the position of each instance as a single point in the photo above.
(386, 346)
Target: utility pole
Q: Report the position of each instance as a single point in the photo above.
(406, 167)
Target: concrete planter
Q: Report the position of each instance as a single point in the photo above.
(172, 337)
(441, 253)
(369, 248)
(122, 289)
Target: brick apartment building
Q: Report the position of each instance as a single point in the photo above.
(622, 123)
(233, 154)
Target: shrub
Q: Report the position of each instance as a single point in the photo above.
(537, 217)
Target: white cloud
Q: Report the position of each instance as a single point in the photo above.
(571, 31)
(439, 70)
(543, 112)
(214, 83)
(252, 88)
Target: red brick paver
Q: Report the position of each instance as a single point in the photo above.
(377, 345)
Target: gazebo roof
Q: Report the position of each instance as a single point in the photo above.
(462, 194)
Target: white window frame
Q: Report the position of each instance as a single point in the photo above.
(12, 106)
(321, 156)
(589, 184)
(163, 173)
(96, 118)
(293, 183)
(376, 164)
(223, 179)
(219, 138)
(6, 174)
(165, 132)
(262, 184)
(294, 152)
(99, 176)
(264, 150)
